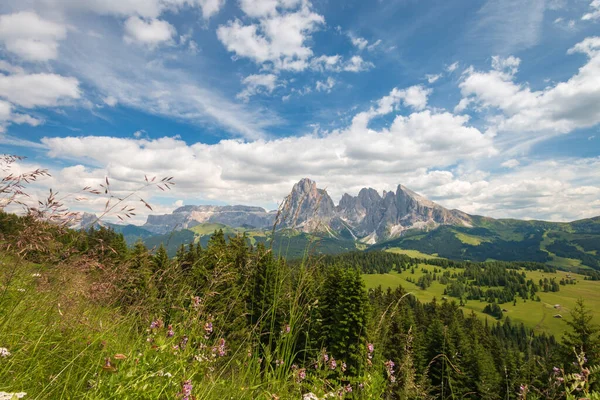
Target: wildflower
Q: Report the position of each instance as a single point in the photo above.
(343, 367)
(389, 367)
(301, 374)
(156, 324)
(10, 396)
(309, 396)
(370, 348)
(220, 348)
(4, 352)
(556, 370)
(170, 332)
(294, 367)
(186, 390)
(208, 328)
(108, 366)
(523, 390)
(332, 364)
(325, 357)
(196, 302)
(348, 388)
(286, 329)
(361, 385)
(183, 343)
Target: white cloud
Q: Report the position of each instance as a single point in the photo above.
(144, 81)
(9, 68)
(462, 105)
(357, 64)
(142, 8)
(26, 119)
(557, 190)
(452, 67)
(38, 90)
(431, 78)
(110, 101)
(595, 13)
(372, 46)
(260, 172)
(149, 32)
(210, 7)
(5, 110)
(256, 84)
(278, 39)
(512, 163)
(560, 108)
(359, 42)
(31, 37)
(505, 26)
(325, 86)
(7, 117)
(267, 8)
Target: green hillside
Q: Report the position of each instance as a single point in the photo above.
(287, 243)
(537, 315)
(565, 245)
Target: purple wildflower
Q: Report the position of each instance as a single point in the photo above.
(325, 357)
(348, 388)
(389, 367)
(332, 364)
(208, 328)
(186, 390)
(183, 343)
(170, 332)
(301, 374)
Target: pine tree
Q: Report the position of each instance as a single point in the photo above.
(584, 335)
(343, 308)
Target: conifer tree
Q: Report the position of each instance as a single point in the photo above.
(584, 335)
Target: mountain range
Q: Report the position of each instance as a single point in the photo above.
(393, 220)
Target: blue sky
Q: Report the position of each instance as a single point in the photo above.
(492, 107)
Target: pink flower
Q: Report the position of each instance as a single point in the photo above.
(186, 390)
(332, 364)
(170, 332)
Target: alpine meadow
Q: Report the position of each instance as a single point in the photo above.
(300, 199)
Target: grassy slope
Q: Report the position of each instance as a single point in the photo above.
(509, 240)
(537, 315)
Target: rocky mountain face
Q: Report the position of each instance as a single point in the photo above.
(369, 216)
(189, 216)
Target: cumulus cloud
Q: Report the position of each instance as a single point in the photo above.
(256, 84)
(260, 171)
(150, 32)
(39, 90)
(277, 38)
(325, 86)
(512, 163)
(143, 8)
(561, 108)
(359, 42)
(8, 116)
(31, 37)
(336, 63)
(594, 14)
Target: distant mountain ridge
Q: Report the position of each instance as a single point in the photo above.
(368, 217)
(308, 220)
